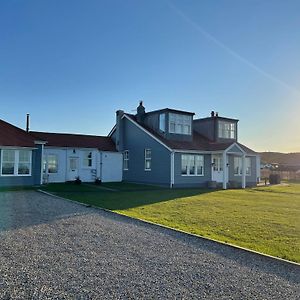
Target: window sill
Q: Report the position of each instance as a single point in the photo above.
(185, 175)
(147, 170)
(15, 175)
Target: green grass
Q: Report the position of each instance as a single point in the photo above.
(265, 219)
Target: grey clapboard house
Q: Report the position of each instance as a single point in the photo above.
(168, 147)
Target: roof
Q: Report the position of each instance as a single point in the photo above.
(75, 140)
(199, 142)
(216, 117)
(13, 136)
(169, 110)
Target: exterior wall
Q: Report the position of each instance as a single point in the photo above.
(35, 177)
(206, 127)
(136, 141)
(251, 180)
(111, 163)
(191, 181)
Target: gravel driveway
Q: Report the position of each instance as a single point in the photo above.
(55, 249)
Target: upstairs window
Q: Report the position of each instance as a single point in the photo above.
(227, 130)
(16, 162)
(147, 159)
(180, 124)
(126, 160)
(162, 122)
(87, 159)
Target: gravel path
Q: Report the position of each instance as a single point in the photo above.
(55, 249)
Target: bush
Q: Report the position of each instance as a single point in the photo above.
(98, 181)
(274, 179)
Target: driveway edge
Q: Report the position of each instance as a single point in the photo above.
(176, 230)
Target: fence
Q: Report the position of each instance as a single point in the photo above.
(285, 175)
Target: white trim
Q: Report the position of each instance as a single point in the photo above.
(112, 130)
(235, 144)
(144, 130)
(16, 163)
(225, 171)
(147, 159)
(42, 161)
(17, 148)
(172, 164)
(243, 171)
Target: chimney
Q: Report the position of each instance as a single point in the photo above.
(217, 114)
(212, 114)
(140, 112)
(27, 123)
(119, 130)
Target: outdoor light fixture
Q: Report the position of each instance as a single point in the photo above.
(74, 151)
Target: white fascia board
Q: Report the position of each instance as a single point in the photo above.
(17, 148)
(40, 142)
(235, 144)
(147, 132)
(112, 131)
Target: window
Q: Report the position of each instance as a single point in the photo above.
(87, 159)
(162, 122)
(248, 166)
(180, 124)
(227, 130)
(238, 166)
(16, 162)
(192, 165)
(24, 164)
(50, 164)
(126, 160)
(147, 159)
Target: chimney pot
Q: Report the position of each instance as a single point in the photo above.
(217, 114)
(212, 113)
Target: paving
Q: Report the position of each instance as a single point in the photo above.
(55, 249)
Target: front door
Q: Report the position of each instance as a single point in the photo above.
(217, 168)
(73, 168)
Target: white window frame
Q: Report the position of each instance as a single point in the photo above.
(162, 122)
(238, 163)
(226, 130)
(86, 159)
(192, 161)
(148, 158)
(180, 122)
(16, 163)
(126, 160)
(46, 163)
(248, 166)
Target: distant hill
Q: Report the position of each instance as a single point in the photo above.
(291, 159)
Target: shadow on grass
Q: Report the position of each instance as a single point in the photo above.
(127, 195)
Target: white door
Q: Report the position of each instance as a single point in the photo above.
(217, 168)
(73, 168)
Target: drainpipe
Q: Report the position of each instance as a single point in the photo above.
(224, 171)
(42, 160)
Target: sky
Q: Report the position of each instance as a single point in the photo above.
(71, 64)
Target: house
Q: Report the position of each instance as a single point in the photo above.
(20, 157)
(169, 147)
(68, 156)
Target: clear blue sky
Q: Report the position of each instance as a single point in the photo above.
(72, 64)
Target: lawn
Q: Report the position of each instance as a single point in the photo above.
(265, 219)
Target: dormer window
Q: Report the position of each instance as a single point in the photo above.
(180, 124)
(227, 130)
(162, 122)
